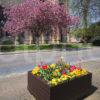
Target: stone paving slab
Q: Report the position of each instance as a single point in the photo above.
(15, 87)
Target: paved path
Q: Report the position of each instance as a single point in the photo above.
(22, 62)
(15, 87)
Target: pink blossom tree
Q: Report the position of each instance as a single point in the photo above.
(37, 16)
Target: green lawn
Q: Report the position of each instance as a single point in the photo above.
(51, 46)
(8, 48)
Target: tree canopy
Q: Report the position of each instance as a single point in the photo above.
(36, 15)
(92, 31)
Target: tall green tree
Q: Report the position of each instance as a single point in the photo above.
(87, 10)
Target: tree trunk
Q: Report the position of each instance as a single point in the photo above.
(85, 14)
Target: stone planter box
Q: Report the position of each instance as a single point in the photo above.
(69, 90)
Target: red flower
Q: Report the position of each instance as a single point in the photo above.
(79, 68)
(39, 65)
(44, 67)
(72, 68)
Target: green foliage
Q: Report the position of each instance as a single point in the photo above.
(96, 41)
(78, 32)
(7, 42)
(12, 47)
(7, 46)
(47, 47)
(25, 47)
(92, 31)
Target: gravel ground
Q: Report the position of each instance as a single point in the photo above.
(15, 87)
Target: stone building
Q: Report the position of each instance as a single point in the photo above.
(48, 37)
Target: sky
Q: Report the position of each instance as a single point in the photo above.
(94, 12)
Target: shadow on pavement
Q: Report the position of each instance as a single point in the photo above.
(90, 92)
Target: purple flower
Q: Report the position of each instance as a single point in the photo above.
(63, 72)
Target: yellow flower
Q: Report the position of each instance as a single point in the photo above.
(59, 80)
(53, 81)
(84, 71)
(53, 65)
(55, 73)
(72, 73)
(78, 74)
(57, 70)
(64, 77)
(35, 70)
